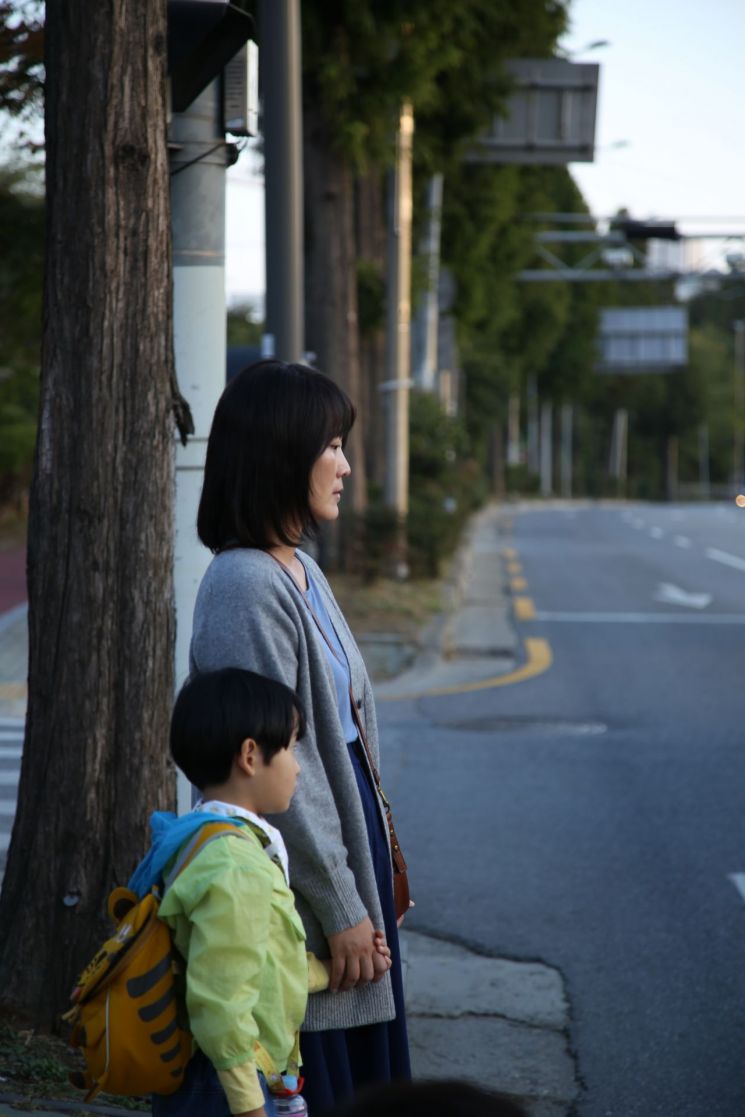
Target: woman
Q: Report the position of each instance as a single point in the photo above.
(275, 469)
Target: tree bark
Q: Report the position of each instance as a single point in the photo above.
(101, 621)
(331, 279)
(371, 236)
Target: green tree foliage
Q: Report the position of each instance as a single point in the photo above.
(361, 59)
(244, 325)
(21, 59)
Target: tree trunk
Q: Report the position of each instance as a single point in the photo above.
(331, 279)
(101, 620)
(371, 238)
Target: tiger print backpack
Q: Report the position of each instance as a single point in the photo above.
(126, 1016)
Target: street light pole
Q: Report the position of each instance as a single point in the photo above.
(399, 318)
(738, 444)
(283, 161)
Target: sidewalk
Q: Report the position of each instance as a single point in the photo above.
(502, 1023)
(13, 662)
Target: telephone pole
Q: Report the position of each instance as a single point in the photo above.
(279, 23)
(398, 342)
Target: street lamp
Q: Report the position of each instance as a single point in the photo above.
(595, 44)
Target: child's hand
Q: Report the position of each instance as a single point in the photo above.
(382, 956)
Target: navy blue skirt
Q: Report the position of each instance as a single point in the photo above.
(338, 1062)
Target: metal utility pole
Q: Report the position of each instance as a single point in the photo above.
(567, 417)
(425, 369)
(738, 416)
(279, 22)
(198, 161)
(547, 479)
(513, 430)
(533, 424)
(618, 465)
(704, 475)
(398, 340)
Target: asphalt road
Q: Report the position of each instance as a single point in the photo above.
(593, 817)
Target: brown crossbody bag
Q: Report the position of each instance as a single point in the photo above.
(401, 896)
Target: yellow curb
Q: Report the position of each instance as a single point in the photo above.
(538, 660)
(514, 568)
(524, 608)
(509, 552)
(518, 583)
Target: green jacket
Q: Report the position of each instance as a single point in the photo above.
(233, 919)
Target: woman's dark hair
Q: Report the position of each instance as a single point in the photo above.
(271, 424)
(217, 711)
(446, 1098)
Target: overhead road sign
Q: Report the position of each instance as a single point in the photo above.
(643, 339)
(550, 117)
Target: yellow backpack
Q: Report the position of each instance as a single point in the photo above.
(126, 1016)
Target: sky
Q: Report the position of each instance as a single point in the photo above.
(672, 91)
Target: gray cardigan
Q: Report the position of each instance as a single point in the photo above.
(250, 614)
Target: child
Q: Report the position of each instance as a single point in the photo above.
(230, 911)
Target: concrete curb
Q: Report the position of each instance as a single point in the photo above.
(494, 1021)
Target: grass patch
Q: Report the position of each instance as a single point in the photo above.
(34, 1065)
(403, 608)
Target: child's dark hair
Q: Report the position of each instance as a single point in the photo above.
(217, 711)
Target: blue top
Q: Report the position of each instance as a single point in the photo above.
(339, 663)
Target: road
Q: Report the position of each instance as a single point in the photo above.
(592, 817)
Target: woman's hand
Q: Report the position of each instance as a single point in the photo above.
(354, 957)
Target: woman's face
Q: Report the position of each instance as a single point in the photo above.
(326, 482)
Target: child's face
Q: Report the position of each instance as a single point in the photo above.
(273, 784)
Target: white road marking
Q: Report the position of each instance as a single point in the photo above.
(738, 879)
(725, 558)
(682, 541)
(642, 618)
(674, 595)
(8, 779)
(10, 752)
(656, 532)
